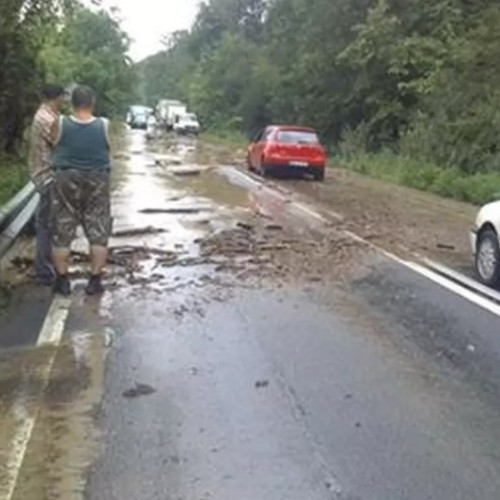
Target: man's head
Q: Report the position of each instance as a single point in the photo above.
(53, 95)
(83, 98)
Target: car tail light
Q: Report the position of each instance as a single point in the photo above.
(274, 149)
(321, 153)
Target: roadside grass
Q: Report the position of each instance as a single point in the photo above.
(13, 176)
(477, 189)
(228, 138)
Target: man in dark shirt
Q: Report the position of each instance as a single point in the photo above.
(81, 190)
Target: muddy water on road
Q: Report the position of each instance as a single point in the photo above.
(236, 345)
(48, 399)
(179, 225)
(152, 193)
(274, 391)
(181, 222)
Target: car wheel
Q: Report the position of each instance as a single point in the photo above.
(264, 171)
(488, 258)
(319, 176)
(249, 164)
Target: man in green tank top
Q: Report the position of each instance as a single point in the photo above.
(81, 190)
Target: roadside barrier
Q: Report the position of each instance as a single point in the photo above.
(16, 214)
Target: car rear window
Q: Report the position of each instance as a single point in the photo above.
(297, 137)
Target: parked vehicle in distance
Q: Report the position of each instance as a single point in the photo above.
(187, 124)
(284, 150)
(169, 112)
(162, 110)
(137, 117)
(139, 121)
(485, 244)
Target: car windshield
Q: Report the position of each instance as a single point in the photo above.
(297, 137)
(189, 118)
(139, 110)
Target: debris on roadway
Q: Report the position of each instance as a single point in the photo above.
(139, 231)
(138, 391)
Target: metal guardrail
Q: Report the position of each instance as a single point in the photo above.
(16, 214)
(13, 206)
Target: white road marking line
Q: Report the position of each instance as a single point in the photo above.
(454, 287)
(463, 279)
(309, 211)
(50, 334)
(16, 457)
(437, 278)
(53, 326)
(434, 276)
(279, 191)
(236, 173)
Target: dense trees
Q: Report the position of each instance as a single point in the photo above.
(62, 42)
(420, 78)
(92, 49)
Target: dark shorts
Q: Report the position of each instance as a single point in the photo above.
(80, 198)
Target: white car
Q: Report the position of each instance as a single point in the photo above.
(485, 243)
(187, 124)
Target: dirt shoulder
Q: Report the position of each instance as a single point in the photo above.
(399, 219)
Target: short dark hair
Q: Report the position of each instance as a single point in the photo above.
(51, 92)
(83, 97)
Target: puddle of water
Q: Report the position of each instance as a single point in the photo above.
(212, 187)
(141, 200)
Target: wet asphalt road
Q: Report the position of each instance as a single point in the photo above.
(180, 386)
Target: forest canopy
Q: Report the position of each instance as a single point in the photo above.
(418, 78)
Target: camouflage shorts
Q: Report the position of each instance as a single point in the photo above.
(81, 198)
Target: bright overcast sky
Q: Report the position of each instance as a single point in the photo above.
(147, 21)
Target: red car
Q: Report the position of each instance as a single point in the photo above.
(281, 149)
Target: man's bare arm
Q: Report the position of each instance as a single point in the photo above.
(54, 132)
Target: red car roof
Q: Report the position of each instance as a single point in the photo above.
(293, 127)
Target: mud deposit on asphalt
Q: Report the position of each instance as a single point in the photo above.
(180, 242)
(211, 233)
(61, 396)
(401, 220)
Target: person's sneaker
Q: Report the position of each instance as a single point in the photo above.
(62, 286)
(94, 286)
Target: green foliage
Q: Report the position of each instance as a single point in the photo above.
(226, 137)
(14, 176)
(57, 41)
(417, 82)
(23, 25)
(450, 183)
(92, 49)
